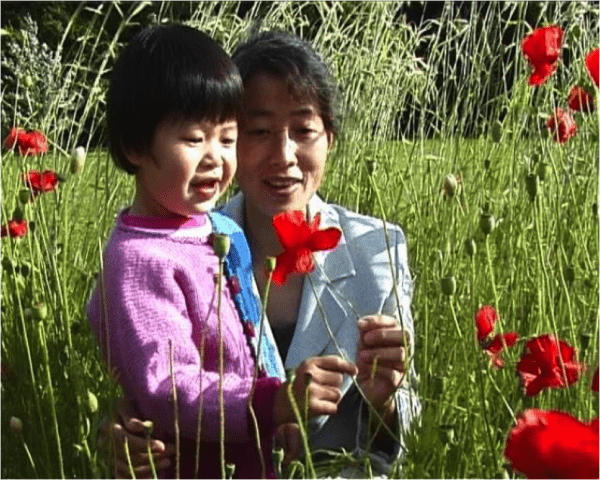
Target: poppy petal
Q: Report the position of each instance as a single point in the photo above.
(591, 62)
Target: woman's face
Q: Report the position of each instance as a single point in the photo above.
(282, 148)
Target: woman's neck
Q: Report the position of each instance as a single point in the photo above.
(261, 235)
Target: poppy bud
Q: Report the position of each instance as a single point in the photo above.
(18, 213)
(24, 196)
(447, 434)
(535, 158)
(27, 81)
(77, 160)
(487, 223)
(278, 455)
(448, 285)
(542, 171)
(531, 184)
(496, 131)
(92, 402)
(450, 185)
(574, 32)
(16, 425)
(221, 245)
(7, 264)
(595, 209)
(470, 247)
(569, 274)
(229, 470)
(487, 163)
(40, 311)
(148, 427)
(371, 166)
(584, 338)
(25, 269)
(270, 264)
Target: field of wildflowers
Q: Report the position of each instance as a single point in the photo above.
(502, 228)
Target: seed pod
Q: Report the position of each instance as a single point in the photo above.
(487, 223)
(569, 274)
(470, 247)
(148, 427)
(447, 434)
(40, 311)
(221, 244)
(542, 171)
(439, 385)
(595, 209)
(535, 158)
(15, 425)
(531, 184)
(270, 264)
(487, 163)
(450, 185)
(496, 131)
(584, 338)
(229, 470)
(27, 81)
(449, 285)
(77, 160)
(371, 166)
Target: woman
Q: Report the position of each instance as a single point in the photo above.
(363, 286)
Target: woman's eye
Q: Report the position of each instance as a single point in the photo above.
(258, 132)
(194, 139)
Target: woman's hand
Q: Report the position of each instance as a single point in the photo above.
(326, 376)
(132, 429)
(381, 338)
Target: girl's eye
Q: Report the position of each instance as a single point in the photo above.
(228, 141)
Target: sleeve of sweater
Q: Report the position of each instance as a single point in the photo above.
(147, 323)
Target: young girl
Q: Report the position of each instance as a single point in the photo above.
(172, 106)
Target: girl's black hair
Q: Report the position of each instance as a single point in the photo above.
(293, 59)
(169, 72)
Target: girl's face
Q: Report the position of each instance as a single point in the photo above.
(188, 166)
(282, 148)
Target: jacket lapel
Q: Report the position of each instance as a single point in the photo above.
(321, 302)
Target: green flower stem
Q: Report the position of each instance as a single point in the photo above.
(150, 456)
(303, 433)
(175, 415)
(52, 400)
(221, 368)
(263, 314)
(200, 407)
(128, 456)
(488, 257)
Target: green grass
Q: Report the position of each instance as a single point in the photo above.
(539, 267)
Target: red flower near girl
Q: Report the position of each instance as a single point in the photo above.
(542, 49)
(28, 143)
(485, 320)
(553, 444)
(561, 125)
(299, 240)
(14, 229)
(591, 62)
(41, 182)
(580, 100)
(547, 363)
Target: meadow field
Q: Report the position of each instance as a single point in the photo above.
(441, 134)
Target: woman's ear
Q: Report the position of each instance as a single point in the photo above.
(330, 140)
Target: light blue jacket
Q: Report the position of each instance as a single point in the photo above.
(355, 279)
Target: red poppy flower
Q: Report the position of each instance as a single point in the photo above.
(542, 49)
(33, 143)
(299, 239)
(594, 385)
(561, 125)
(580, 100)
(542, 365)
(499, 343)
(485, 319)
(15, 229)
(591, 62)
(14, 137)
(41, 182)
(552, 444)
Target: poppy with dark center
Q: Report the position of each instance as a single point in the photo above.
(299, 240)
(580, 100)
(553, 444)
(591, 62)
(41, 182)
(561, 125)
(33, 143)
(547, 363)
(485, 320)
(542, 49)
(14, 229)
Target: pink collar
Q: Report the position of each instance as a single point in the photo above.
(172, 223)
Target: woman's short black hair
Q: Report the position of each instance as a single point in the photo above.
(294, 60)
(168, 72)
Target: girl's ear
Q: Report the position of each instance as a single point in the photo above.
(330, 140)
(134, 157)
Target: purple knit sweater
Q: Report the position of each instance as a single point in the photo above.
(159, 286)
